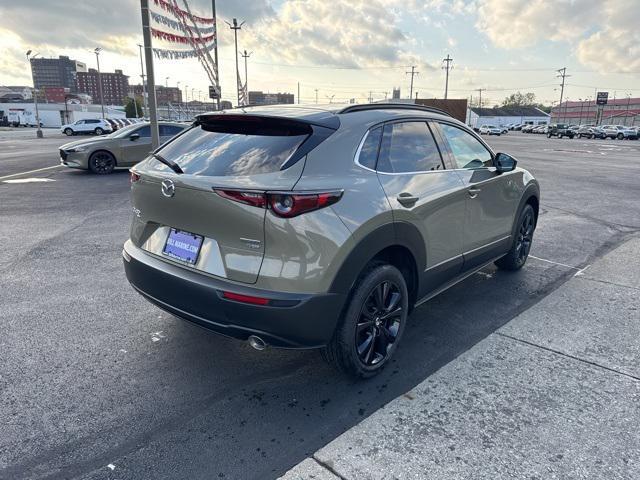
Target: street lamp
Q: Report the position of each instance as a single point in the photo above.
(235, 27)
(144, 88)
(178, 99)
(97, 52)
(626, 116)
(186, 99)
(35, 97)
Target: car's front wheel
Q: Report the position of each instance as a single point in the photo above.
(102, 162)
(68, 132)
(99, 131)
(620, 136)
(519, 252)
(372, 324)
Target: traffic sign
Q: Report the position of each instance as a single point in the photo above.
(214, 92)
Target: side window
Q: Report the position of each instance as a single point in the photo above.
(144, 132)
(169, 130)
(369, 151)
(80, 122)
(408, 147)
(467, 151)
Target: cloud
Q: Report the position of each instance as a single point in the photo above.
(348, 33)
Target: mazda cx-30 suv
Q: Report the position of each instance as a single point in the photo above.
(303, 227)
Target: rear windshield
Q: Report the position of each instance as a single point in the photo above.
(205, 150)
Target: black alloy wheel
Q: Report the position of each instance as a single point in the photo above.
(379, 323)
(525, 236)
(102, 163)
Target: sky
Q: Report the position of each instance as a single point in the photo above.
(348, 49)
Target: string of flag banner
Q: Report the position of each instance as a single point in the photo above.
(161, 19)
(179, 54)
(168, 7)
(170, 37)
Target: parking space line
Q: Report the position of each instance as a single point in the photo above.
(30, 171)
(579, 272)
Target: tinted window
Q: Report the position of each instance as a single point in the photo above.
(216, 153)
(467, 151)
(169, 130)
(93, 121)
(369, 150)
(144, 131)
(408, 147)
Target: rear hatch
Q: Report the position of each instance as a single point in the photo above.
(228, 162)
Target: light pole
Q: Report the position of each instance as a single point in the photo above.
(97, 52)
(626, 116)
(35, 98)
(330, 98)
(235, 27)
(178, 87)
(186, 99)
(144, 88)
(246, 55)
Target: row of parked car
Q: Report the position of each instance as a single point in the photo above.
(97, 126)
(620, 132)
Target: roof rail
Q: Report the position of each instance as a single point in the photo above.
(388, 106)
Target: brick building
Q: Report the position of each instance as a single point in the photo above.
(115, 86)
(619, 111)
(261, 98)
(164, 95)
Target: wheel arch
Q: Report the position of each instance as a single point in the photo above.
(105, 150)
(399, 244)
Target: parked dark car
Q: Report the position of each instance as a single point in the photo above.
(560, 130)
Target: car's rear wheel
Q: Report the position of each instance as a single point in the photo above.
(519, 252)
(99, 131)
(68, 132)
(372, 324)
(620, 136)
(102, 162)
(548, 135)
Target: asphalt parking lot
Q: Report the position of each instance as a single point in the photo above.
(97, 383)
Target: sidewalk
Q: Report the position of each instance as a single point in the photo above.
(555, 393)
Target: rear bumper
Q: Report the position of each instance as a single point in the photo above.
(307, 321)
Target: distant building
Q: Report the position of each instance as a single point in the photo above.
(15, 93)
(56, 72)
(505, 115)
(619, 111)
(261, 98)
(395, 95)
(164, 95)
(455, 107)
(115, 86)
(55, 94)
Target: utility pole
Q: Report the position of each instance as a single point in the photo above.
(385, 95)
(480, 100)
(179, 116)
(35, 98)
(144, 88)
(370, 96)
(330, 98)
(235, 27)
(97, 52)
(186, 99)
(215, 49)
(447, 67)
(562, 73)
(316, 96)
(148, 55)
(413, 73)
(626, 116)
(298, 92)
(246, 55)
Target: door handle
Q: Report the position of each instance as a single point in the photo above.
(473, 192)
(406, 199)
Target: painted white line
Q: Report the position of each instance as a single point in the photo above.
(556, 263)
(31, 171)
(29, 180)
(581, 272)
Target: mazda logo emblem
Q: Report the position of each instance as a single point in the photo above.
(168, 188)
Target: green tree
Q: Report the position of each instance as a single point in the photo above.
(131, 109)
(519, 99)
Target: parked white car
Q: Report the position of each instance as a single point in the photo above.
(87, 125)
(490, 130)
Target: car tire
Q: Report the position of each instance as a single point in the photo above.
(68, 132)
(102, 162)
(364, 340)
(98, 131)
(521, 245)
(620, 136)
(549, 135)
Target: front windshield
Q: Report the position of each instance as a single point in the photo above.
(123, 132)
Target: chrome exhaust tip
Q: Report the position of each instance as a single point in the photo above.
(257, 343)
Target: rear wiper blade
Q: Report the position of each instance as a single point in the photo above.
(172, 165)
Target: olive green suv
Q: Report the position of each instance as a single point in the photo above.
(309, 227)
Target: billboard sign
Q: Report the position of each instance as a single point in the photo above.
(602, 98)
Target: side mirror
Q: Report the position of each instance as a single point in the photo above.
(504, 162)
(134, 136)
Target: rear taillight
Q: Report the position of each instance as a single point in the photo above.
(236, 297)
(284, 204)
(133, 176)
